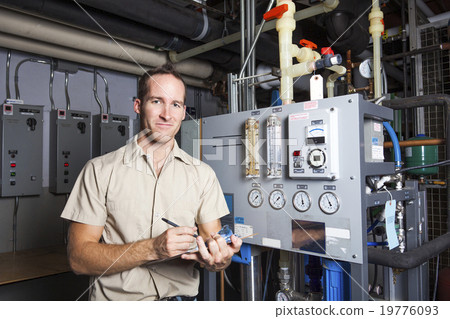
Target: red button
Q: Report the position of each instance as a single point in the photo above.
(13, 164)
(66, 164)
(297, 153)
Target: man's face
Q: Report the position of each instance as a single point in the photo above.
(164, 109)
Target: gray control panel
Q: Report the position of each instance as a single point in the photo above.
(318, 204)
(21, 132)
(70, 147)
(109, 132)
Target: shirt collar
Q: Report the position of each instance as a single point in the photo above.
(134, 151)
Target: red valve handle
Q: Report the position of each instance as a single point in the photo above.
(276, 13)
(326, 51)
(308, 44)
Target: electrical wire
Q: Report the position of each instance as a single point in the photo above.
(437, 277)
(269, 259)
(443, 163)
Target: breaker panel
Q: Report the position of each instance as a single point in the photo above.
(109, 132)
(301, 185)
(21, 161)
(70, 147)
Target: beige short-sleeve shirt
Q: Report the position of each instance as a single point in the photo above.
(121, 192)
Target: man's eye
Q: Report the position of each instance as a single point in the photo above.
(177, 105)
(155, 101)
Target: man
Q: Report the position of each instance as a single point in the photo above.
(117, 235)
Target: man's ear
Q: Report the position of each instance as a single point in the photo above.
(137, 106)
(184, 113)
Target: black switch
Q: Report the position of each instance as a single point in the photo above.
(82, 127)
(121, 129)
(31, 122)
(66, 181)
(12, 183)
(66, 172)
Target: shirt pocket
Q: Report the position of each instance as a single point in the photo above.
(127, 221)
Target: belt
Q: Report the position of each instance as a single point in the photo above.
(179, 298)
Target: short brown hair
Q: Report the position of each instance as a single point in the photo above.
(167, 68)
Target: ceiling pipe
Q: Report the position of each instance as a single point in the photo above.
(40, 48)
(69, 14)
(324, 7)
(50, 32)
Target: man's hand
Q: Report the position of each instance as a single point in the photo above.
(217, 256)
(174, 241)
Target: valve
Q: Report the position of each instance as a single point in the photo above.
(328, 61)
(308, 44)
(276, 13)
(121, 129)
(326, 51)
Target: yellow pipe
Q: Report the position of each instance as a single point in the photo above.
(375, 29)
(339, 70)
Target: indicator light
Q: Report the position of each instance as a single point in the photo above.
(297, 153)
(13, 173)
(66, 164)
(13, 164)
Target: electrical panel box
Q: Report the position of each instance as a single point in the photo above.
(70, 147)
(318, 211)
(314, 143)
(109, 132)
(21, 158)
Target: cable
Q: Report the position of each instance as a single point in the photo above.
(371, 243)
(374, 224)
(443, 163)
(269, 258)
(437, 276)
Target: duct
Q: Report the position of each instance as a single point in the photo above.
(410, 259)
(50, 32)
(424, 8)
(54, 51)
(69, 13)
(161, 15)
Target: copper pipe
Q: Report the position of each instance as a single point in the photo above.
(434, 141)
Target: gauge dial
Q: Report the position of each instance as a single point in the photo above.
(329, 203)
(277, 199)
(281, 296)
(255, 198)
(366, 68)
(316, 158)
(301, 201)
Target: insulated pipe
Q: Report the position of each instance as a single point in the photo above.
(66, 90)
(50, 85)
(412, 258)
(8, 67)
(324, 7)
(42, 30)
(37, 47)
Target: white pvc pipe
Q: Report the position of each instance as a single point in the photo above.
(62, 35)
(27, 45)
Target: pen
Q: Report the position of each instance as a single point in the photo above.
(174, 225)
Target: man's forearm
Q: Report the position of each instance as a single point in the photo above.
(98, 259)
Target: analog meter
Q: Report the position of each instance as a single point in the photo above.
(301, 201)
(329, 203)
(366, 68)
(255, 198)
(277, 199)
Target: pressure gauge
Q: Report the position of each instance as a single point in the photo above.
(329, 203)
(277, 199)
(301, 201)
(255, 198)
(316, 158)
(366, 68)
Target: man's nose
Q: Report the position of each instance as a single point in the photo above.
(165, 112)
